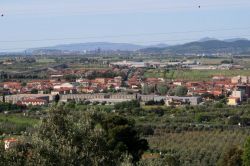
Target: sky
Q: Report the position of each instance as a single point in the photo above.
(39, 23)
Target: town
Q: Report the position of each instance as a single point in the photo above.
(125, 81)
(166, 97)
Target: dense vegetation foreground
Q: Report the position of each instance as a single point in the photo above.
(74, 134)
(78, 138)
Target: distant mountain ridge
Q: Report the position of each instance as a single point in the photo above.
(93, 46)
(208, 47)
(204, 45)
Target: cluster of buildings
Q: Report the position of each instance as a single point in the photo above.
(116, 89)
(152, 64)
(237, 89)
(62, 86)
(193, 65)
(126, 78)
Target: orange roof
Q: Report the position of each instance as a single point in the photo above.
(233, 98)
(33, 100)
(10, 140)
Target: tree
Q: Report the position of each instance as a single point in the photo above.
(23, 84)
(233, 157)
(64, 139)
(181, 91)
(246, 153)
(127, 105)
(166, 160)
(165, 73)
(34, 91)
(147, 89)
(162, 89)
(207, 95)
(122, 136)
(70, 77)
(57, 98)
(77, 138)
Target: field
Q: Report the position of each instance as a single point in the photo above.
(212, 61)
(194, 75)
(15, 124)
(45, 60)
(201, 148)
(89, 66)
(17, 119)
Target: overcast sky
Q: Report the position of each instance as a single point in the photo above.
(35, 23)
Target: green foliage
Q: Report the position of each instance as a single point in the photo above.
(63, 139)
(227, 61)
(122, 136)
(202, 118)
(193, 135)
(167, 160)
(34, 91)
(10, 124)
(9, 107)
(57, 98)
(152, 102)
(246, 153)
(70, 77)
(181, 91)
(194, 75)
(198, 147)
(162, 89)
(234, 120)
(148, 89)
(232, 157)
(78, 138)
(23, 84)
(127, 105)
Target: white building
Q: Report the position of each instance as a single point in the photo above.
(9, 143)
(64, 86)
(238, 94)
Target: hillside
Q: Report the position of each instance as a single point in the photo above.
(205, 45)
(92, 46)
(208, 47)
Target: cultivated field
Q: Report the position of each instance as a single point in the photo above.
(194, 75)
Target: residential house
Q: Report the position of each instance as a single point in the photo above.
(14, 87)
(9, 143)
(233, 101)
(34, 102)
(176, 100)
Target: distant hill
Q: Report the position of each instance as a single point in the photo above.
(234, 39)
(204, 45)
(206, 39)
(161, 45)
(106, 46)
(208, 47)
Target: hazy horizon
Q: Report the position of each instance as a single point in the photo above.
(44, 23)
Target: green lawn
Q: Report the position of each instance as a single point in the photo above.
(15, 124)
(45, 60)
(18, 119)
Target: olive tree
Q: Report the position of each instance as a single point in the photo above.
(67, 137)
